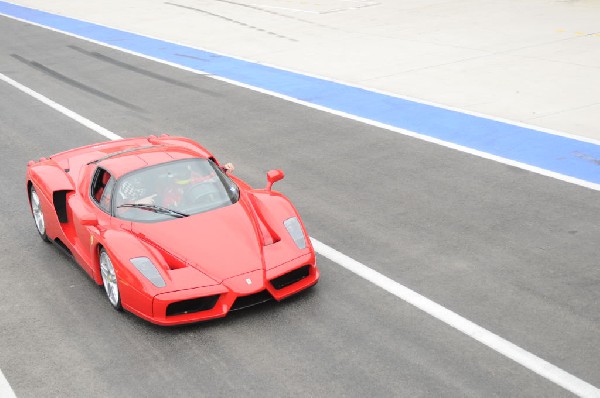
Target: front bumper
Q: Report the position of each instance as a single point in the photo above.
(205, 303)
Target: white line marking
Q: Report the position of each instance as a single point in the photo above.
(484, 155)
(395, 95)
(495, 342)
(330, 79)
(67, 112)
(6, 390)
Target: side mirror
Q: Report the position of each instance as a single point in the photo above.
(88, 219)
(272, 177)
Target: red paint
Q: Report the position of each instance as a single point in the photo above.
(231, 251)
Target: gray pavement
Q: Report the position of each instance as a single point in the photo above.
(513, 251)
(529, 61)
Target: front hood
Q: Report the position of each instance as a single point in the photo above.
(221, 243)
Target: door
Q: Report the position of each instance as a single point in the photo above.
(91, 215)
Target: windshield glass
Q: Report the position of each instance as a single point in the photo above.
(175, 189)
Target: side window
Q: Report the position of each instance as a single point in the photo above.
(102, 188)
(106, 195)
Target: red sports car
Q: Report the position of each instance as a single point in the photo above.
(173, 236)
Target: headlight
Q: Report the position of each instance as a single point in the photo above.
(295, 230)
(145, 266)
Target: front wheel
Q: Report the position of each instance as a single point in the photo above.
(38, 214)
(109, 279)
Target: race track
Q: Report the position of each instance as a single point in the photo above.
(512, 251)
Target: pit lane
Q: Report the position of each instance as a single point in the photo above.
(396, 207)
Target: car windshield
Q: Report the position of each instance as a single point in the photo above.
(171, 190)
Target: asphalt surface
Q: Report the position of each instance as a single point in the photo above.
(514, 252)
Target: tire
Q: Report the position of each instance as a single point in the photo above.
(38, 214)
(109, 280)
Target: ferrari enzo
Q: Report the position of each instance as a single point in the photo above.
(172, 235)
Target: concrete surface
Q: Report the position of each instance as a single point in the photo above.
(531, 61)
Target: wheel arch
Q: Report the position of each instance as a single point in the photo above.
(96, 262)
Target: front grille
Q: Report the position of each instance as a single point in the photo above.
(249, 301)
(192, 305)
(291, 277)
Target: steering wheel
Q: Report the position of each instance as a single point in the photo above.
(201, 194)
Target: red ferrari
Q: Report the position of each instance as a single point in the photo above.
(171, 235)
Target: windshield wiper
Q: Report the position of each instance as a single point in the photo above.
(156, 209)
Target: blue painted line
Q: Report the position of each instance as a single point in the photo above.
(555, 153)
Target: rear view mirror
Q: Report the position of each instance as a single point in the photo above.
(272, 177)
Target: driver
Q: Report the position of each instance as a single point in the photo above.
(179, 180)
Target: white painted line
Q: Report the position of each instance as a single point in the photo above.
(6, 390)
(408, 133)
(67, 112)
(495, 342)
(326, 78)
(162, 61)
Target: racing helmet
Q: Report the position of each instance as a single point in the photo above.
(181, 175)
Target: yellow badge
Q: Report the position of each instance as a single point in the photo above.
(91, 240)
